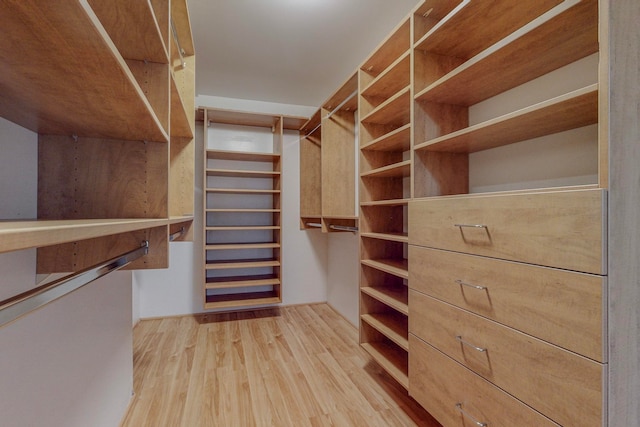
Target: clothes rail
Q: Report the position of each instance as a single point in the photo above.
(177, 234)
(24, 303)
(179, 48)
(332, 112)
(343, 228)
(314, 224)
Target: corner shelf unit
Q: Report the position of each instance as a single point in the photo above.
(385, 179)
(116, 151)
(242, 227)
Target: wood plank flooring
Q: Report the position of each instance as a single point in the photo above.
(291, 366)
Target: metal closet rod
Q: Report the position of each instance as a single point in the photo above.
(26, 302)
(343, 228)
(177, 234)
(314, 224)
(177, 39)
(332, 112)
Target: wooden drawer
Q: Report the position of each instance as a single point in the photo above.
(563, 307)
(562, 385)
(440, 384)
(563, 229)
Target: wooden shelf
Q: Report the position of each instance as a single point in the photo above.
(242, 299)
(395, 297)
(392, 80)
(394, 202)
(392, 237)
(395, 170)
(100, 98)
(483, 26)
(242, 173)
(240, 191)
(391, 48)
(240, 246)
(242, 118)
(521, 56)
(392, 360)
(232, 210)
(242, 156)
(397, 267)
(242, 227)
(348, 90)
(180, 219)
(17, 235)
(396, 140)
(241, 263)
(390, 326)
(311, 124)
(180, 126)
(229, 282)
(394, 111)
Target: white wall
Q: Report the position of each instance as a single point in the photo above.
(69, 363)
(343, 270)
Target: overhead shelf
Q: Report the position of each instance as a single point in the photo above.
(242, 173)
(397, 140)
(395, 170)
(392, 80)
(394, 111)
(242, 156)
(237, 263)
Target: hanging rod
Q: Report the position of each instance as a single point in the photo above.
(332, 112)
(177, 39)
(343, 228)
(177, 234)
(24, 303)
(313, 224)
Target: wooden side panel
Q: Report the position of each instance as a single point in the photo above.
(338, 164)
(153, 79)
(310, 176)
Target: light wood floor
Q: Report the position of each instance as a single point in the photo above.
(295, 366)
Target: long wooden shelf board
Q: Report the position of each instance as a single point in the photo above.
(393, 237)
(242, 299)
(390, 327)
(74, 82)
(242, 173)
(395, 110)
(242, 156)
(483, 26)
(293, 122)
(241, 263)
(395, 297)
(397, 267)
(240, 191)
(314, 121)
(243, 118)
(242, 227)
(390, 202)
(241, 246)
(395, 170)
(392, 80)
(231, 210)
(343, 217)
(391, 359)
(569, 188)
(575, 109)
(391, 48)
(397, 140)
(342, 94)
(180, 219)
(229, 282)
(522, 56)
(17, 235)
(180, 122)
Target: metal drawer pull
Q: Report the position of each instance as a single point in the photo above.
(481, 288)
(470, 225)
(465, 414)
(468, 344)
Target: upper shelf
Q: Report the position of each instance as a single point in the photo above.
(94, 95)
(394, 111)
(522, 56)
(345, 97)
(242, 156)
(389, 50)
(233, 117)
(391, 80)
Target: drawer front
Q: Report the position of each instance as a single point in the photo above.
(445, 388)
(563, 307)
(563, 229)
(563, 386)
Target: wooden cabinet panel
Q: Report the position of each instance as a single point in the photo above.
(445, 388)
(562, 385)
(564, 229)
(559, 306)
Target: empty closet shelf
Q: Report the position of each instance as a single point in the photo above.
(395, 297)
(241, 191)
(242, 299)
(397, 267)
(232, 246)
(242, 227)
(242, 156)
(228, 282)
(238, 173)
(392, 327)
(393, 237)
(391, 358)
(242, 263)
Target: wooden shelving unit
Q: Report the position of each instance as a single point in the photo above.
(311, 172)
(242, 208)
(385, 171)
(116, 151)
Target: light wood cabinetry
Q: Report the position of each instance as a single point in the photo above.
(242, 186)
(98, 82)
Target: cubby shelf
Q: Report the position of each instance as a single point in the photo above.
(237, 263)
(389, 51)
(392, 80)
(238, 300)
(390, 326)
(242, 156)
(180, 121)
(390, 202)
(393, 361)
(573, 27)
(397, 140)
(238, 210)
(395, 170)
(242, 173)
(392, 237)
(241, 246)
(397, 267)
(242, 227)
(241, 191)
(576, 109)
(394, 111)
(228, 282)
(395, 297)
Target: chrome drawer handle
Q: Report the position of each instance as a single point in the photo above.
(469, 285)
(468, 344)
(471, 226)
(466, 414)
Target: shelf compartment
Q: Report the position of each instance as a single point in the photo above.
(395, 297)
(392, 237)
(242, 156)
(232, 210)
(101, 98)
(396, 170)
(240, 191)
(387, 52)
(394, 111)
(241, 246)
(392, 80)
(396, 267)
(347, 94)
(396, 140)
(473, 26)
(242, 299)
(391, 202)
(241, 263)
(242, 173)
(390, 326)
(393, 360)
(521, 56)
(180, 122)
(242, 228)
(242, 118)
(230, 282)
(575, 109)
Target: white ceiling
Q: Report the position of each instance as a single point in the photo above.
(286, 51)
